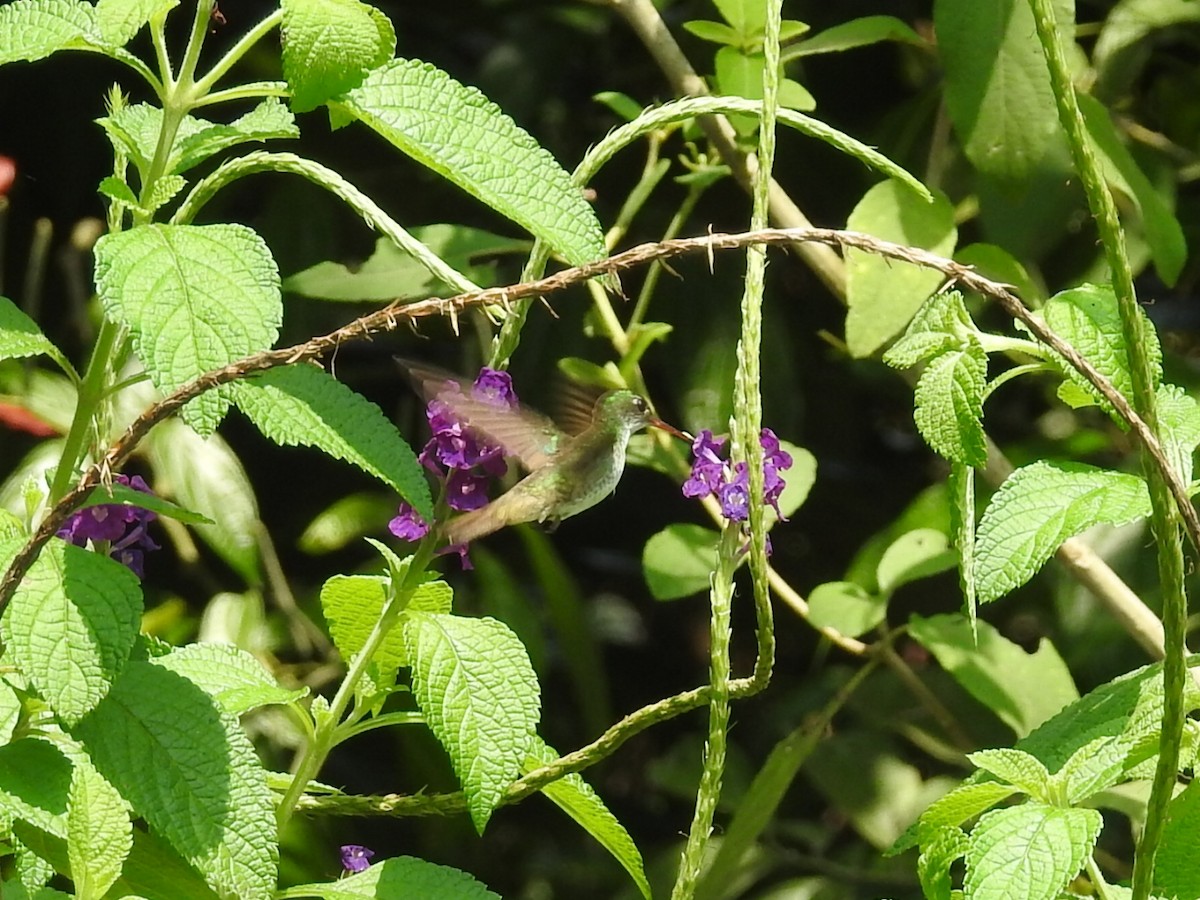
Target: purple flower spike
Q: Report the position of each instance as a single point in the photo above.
(734, 495)
(495, 387)
(461, 550)
(356, 858)
(408, 524)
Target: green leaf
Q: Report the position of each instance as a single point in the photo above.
(1122, 48)
(961, 485)
(189, 770)
(10, 712)
(1022, 689)
(884, 294)
(303, 405)
(122, 495)
(473, 681)
(859, 32)
(1016, 767)
(1037, 508)
(134, 130)
(235, 679)
(577, 799)
(846, 607)
(747, 17)
(1095, 766)
(1179, 428)
(940, 849)
(196, 298)
(1088, 318)
(1168, 247)
(99, 832)
(1175, 870)
(1000, 265)
(621, 104)
(19, 335)
(120, 20)
(205, 475)
(679, 561)
(1030, 851)
(389, 272)
(71, 625)
(116, 189)
(35, 784)
(914, 555)
(400, 878)
(33, 29)
(717, 32)
(940, 325)
(997, 87)
(345, 520)
(352, 605)
(329, 46)
(464, 137)
(949, 405)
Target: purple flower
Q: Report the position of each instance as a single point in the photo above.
(461, 550)
(356, 858)
(495, 387)
(734, 495)
(465, 490)
(408, 524)
(775, 460)
(708, 469)
(123, 527)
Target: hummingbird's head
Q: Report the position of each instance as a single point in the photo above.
(632, 412)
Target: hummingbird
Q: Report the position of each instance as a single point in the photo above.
(571, 467)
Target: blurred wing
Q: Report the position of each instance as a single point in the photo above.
(528, 435)
(575, 405)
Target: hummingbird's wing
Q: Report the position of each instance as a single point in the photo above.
(522, 432)
(575, 405)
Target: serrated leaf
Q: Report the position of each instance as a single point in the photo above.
(189, 770)
(162, 191)
(1030, 851)
(20, 336)
(116, 189)
(329, 46)
(195, 297)
(1088, 318)
(71, 624)
(10, 712)
(473, 681)
(303, 405)
(35, 782)
(577, 799)
(914, 555)
(1179, 428)
(1022, 689)
(464, 137)
(99, 832)
(401, 878)
(941, 324)
(884, 294)
(941, 848)
(679, 561)
(997, 87)
(1037, 508)
(352, 605)
(122, 495)
(949, 405)
(961, 487)
(1164, 235)
(33, 29)
(205, 475)
(1096, 765)
(1015, 767)
(846, 607)
(1175, 871)
(231, 676)
(120, 20)
(859, 32)
(134, 130)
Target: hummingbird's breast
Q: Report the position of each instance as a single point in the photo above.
(596, 480)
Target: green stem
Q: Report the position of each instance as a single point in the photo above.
(238, 50)
(249, 91)
(327, 732)
(91, 393)
(695, 192)
(1165, 516)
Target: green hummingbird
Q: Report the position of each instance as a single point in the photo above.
(572, 466)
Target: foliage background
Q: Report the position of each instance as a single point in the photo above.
(542, 62)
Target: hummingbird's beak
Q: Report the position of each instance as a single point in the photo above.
(654, 422)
